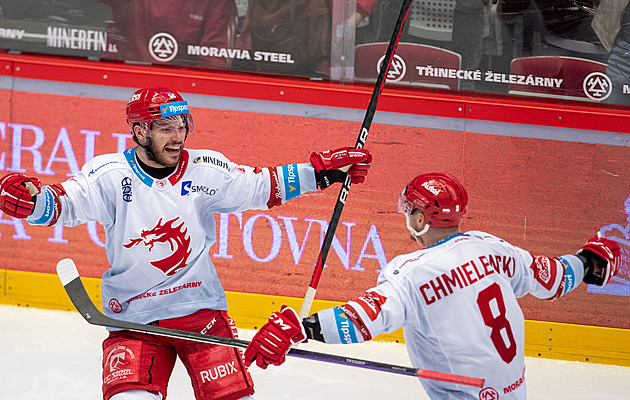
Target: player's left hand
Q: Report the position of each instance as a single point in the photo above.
(333, 165)
(605, 257)
(275, 338)
(16, 194)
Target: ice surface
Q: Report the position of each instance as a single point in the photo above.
(57, 355)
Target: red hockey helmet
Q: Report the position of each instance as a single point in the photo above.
(151, 104)
(441, 197)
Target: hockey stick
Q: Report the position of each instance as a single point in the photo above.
(71, 281)
(309, 297)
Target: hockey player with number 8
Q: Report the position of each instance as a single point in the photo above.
(156, 203)
(456, 298)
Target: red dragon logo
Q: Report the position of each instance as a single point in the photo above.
(176, 236)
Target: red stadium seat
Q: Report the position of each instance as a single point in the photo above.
(413, 64)
(559, 77)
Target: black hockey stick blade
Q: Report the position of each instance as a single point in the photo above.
(71, 281)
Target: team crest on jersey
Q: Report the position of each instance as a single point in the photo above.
(544, 272)
(175, 236)
(126, 189)
(115, 306)
(488, 393)
(372, 303)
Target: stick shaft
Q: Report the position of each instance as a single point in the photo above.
(71, 281)
(360, 143)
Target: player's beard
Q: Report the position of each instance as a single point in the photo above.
(166, 155)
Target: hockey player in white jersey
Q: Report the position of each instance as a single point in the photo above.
(455, 298)
(156, 203)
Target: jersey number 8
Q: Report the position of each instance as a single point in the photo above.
(498, 322)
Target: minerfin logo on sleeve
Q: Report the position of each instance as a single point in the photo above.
(175, 108)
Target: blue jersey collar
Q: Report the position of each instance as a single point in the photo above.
(176, 176)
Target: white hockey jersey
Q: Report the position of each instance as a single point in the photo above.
(456, 302)
(159, 231)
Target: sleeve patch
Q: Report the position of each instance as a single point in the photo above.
(544, 271)
(275, 194)
(569, 277)
(52, 208)
(358, 323)
(372, 302)
(291, 181)
(345, 327)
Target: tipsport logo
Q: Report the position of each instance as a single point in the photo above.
(345, 328)
(291, 181)
(175, 108)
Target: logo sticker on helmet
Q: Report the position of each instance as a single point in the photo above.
(175, 108)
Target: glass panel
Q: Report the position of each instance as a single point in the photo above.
(539, 48)
(71, 27)
(559, 49)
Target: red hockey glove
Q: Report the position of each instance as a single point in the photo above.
(274, 339)
(332, 165)
(15, 198)
(603, 257)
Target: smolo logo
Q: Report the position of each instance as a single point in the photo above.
(163, 47)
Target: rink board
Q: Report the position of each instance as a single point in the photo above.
(541, 176)
(542, 339)
(546, 194)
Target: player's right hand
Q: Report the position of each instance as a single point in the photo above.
(605, 257)
(274, 340)
(334, 165)
(15, 198)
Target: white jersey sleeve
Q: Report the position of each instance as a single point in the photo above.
(541, 276)
(84, 197)
(379, 310)
(251, 188)
(80, 199)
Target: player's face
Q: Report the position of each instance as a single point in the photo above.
(166, 141)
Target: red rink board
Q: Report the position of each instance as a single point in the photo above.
(544, 195)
